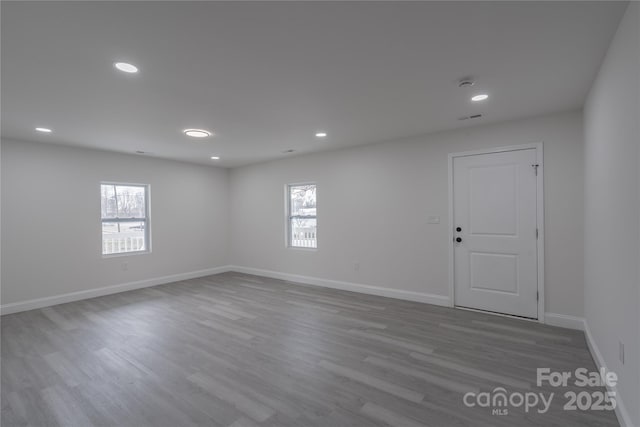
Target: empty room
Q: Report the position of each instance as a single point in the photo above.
(320, 213)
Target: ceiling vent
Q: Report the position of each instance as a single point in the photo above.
(466, 82)
(475, 116)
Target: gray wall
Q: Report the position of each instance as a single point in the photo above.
(51, 230)
(612, 209)
(373, 207)
(373, 204)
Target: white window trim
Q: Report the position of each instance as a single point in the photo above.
(147, 220)
(287, 217)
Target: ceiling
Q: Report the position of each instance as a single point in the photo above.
(266, 76)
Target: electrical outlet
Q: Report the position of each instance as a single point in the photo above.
(621, 351)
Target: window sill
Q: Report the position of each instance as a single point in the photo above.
(302, 248)
(123, 254)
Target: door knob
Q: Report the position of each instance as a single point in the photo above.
(458, 229)
(458, 239)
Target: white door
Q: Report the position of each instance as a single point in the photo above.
(495, 232)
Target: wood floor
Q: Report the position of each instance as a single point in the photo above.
(239, 350)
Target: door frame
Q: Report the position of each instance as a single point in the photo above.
(538, 146)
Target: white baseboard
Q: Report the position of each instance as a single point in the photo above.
(348, 286)
(621, 411)
(564, 321)
(106, 290)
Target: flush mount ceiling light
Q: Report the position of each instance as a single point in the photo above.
(321, 134)
(215, 158)
(126, 67)
(44, 130)
(480, 97)
(197, 133)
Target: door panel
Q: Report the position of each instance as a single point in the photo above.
(495, 204)
(493, 200)
(498, 272)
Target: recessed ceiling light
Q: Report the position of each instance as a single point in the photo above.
(215, 158)
(480, 97)
(321, 134)
(126, 67)
(197, 133)
(44, 130)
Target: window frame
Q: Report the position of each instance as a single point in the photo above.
(146, 220)
(289, 217)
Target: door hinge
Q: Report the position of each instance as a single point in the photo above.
(537, 234)
(535, 168)
(537, 295)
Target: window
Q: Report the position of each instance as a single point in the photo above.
(125, 218)
(301, 218)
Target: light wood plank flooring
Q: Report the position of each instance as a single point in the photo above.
(239, 350)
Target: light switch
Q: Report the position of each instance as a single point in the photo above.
(433, 220)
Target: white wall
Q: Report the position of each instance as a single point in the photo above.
(612, 209)
(51, 230)
(373, 203)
